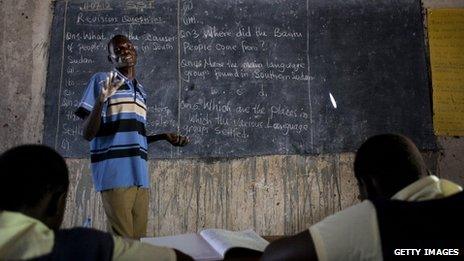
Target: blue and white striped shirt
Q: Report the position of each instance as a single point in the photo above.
(118, 152)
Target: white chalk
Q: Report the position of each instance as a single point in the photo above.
(332, 99)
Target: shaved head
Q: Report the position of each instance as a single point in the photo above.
(387, 163)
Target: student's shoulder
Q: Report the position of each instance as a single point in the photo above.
(348, 215)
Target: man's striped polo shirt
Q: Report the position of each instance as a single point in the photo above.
(118, 152)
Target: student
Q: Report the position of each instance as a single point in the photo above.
(403, 208)
(114, 111)
(33, 186)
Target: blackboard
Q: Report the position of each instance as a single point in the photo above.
(243, 78)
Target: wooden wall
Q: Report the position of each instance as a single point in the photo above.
(272, 194)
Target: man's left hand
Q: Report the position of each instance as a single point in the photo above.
(176, 140)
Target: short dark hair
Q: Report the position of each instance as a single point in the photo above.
(114, 39)
(391, 159)
(28, 173)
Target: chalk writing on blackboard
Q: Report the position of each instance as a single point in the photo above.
(244, 78)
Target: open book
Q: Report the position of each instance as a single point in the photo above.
(213, 244)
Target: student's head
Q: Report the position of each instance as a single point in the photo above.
(385, 164)
(34, 181)
(121, 52)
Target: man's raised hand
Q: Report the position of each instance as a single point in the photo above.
(110, 87)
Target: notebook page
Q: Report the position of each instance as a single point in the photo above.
(222, 240)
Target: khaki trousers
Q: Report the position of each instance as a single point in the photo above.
(127, 211)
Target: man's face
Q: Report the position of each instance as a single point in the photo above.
(57, 219)
(122, 53)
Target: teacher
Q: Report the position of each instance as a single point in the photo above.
(114, 109)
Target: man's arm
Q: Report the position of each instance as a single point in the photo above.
(174, 139)
(92, 122)
(297, 247)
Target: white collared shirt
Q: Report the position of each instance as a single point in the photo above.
(353, 233)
